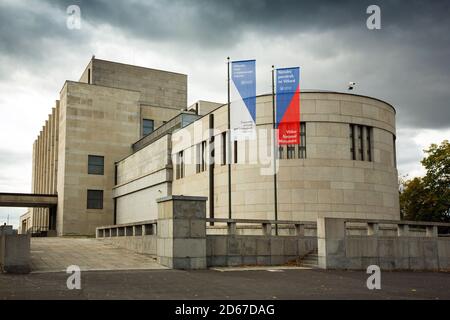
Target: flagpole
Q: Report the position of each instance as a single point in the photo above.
(275, 191)
(229, 142)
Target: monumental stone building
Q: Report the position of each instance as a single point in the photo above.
(122, 137)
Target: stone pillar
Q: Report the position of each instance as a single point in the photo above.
(331, 243)
(181, 232)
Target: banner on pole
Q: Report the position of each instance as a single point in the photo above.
(243, 100)
(288, 105)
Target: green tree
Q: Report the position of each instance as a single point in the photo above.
(428, 198)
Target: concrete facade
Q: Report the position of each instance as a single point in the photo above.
(327, 180)
(101, 115)
(345, 166)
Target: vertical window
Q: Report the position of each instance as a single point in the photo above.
(235, 151)
(96, 164)
(360, 142)
(369, 144)
(147, 126)
(180, 165)
(115, 173)
(224, 148)
(352, 142)
(95, 199)
(302, 146)
(198, 155)
(290, 151)
(203, 156)
(395, 150)
(280, 152)
(89, 76)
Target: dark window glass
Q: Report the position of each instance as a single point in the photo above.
(235, 151)
(95, 199)
(352, 142)
(96, 164)
(224, 148)
(302, 146)
(203, 156)
(147, 126)
(290, 151)
(280, 152)
(180, 165)
(369, 144)
(395, 151)
(360, 142)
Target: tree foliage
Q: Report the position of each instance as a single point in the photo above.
(428, 198)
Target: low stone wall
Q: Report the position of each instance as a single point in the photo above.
(141, 244)
(179, 239)
(404, 251)
(15, 253)
(225, 250)
(397, 253)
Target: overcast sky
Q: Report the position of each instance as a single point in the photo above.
(405, 63)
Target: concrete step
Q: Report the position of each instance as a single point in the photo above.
(311, 260)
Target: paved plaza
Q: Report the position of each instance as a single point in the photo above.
(56, 254)
(114, 273)
(211, 284)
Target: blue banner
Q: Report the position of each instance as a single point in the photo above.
(243, 106)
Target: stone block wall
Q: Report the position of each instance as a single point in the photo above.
(227, 251)
(182, 232)
(337, 250)
(15, 253)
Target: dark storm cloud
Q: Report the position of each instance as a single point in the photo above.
(406, 62)
(29, 35)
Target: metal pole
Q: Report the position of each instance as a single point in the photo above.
(275, 192)
(229, 141)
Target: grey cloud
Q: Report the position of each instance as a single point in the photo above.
(405, 63)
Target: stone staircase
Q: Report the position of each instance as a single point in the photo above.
(310, 260)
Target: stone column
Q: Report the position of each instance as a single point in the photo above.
(181, 232)
(331, 243)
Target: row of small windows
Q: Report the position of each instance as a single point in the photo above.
(360, 142)
(292, 152)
